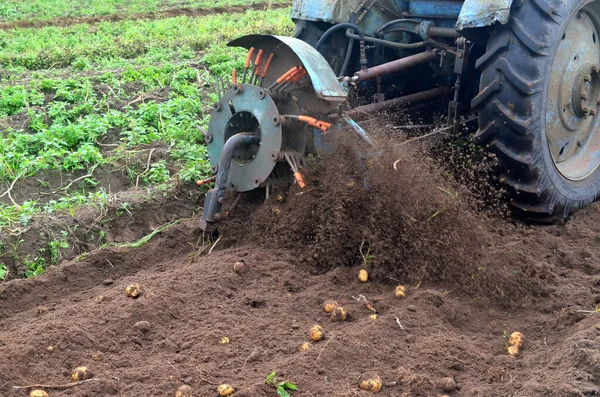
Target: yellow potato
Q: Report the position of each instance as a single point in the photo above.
(240, 267)
(304, 347)
(38, 393)
(316, 333)
(225, 340)
(339, 314)
(373, 316)
(370, 382)
(225, 390)
(81, 373)
(517, 340)
(329, 306)
(51, 348)
(133, 291)
(363, 275)
(183, 391)
(400, 291)
(513, 351)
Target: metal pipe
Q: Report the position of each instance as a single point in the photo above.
(395, 66)
(212, 207)
(404, 100)
(443, 32)
(392, 44)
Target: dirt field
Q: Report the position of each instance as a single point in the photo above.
(472, 277)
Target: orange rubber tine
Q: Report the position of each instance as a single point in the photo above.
(259, 58)
(300, 180)
(234, 76)
(247, 64)
(307, 119)
(286, 74)
(267, 65)
(299, 76)
(249, 57)
(293, 75)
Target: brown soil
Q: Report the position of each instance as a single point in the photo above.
(471, 277)
(168, 13)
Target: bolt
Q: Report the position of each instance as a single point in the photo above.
(587, 78)
(217, 107)
(261, 94)
(586, 110)
(579, 143)
(208, 138)
(276, 121)
(214, 169)
(236, 89)
(274, 155)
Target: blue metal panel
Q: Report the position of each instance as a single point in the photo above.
(438, 9)
(332, 11)
(480, 13)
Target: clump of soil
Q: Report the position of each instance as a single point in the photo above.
(415, 222)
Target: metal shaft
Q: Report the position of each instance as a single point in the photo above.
(404, 100)
(395, 66)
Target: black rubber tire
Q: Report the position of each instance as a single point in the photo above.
(515, 72)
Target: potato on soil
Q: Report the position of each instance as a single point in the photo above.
(38, 393)
(225, 340)
(183, 391)
(304, 347)
(447, 384)
(339, 314)
(133, 291)
(400, 291)
(240, 267)
(81, 373)
(317, 333)
(329, 306)
(370, 382)
(363, 275)
(517, 340)
(373, 316)
(225, 390)
(513, 351)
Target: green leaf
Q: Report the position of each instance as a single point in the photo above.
(288, 385)
(282, 393)
(3, 271)
(271, 378)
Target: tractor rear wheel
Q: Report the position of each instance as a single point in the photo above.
(538, 105)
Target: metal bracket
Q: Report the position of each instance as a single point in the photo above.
(460, 67)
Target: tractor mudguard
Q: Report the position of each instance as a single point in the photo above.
(324, 80)
(338, 11)
(481, 13)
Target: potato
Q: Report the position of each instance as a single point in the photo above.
(240, 267)
(339, 314)
(316, 333)
(447, 384)
(517, 340)
(513, 351)
(50, 349)
(225, 390)
(183, 391)
(373, 316)
(363, 275)
(370, 382)
(81, 373)
(133, 291)
(224, 340)
(400, 291)
(329, 306)
(304, 347)
(38, 393)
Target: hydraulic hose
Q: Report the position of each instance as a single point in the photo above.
(333, 29)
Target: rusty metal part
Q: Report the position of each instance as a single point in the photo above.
(435, 31)
(395, 66)
(405, 100)
(573, 97)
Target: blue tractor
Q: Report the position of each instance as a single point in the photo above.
(528, 72)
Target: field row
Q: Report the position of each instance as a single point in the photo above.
(46, 10)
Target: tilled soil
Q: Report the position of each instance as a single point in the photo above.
(471, 277)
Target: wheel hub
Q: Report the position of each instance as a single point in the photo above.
(573, 98)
